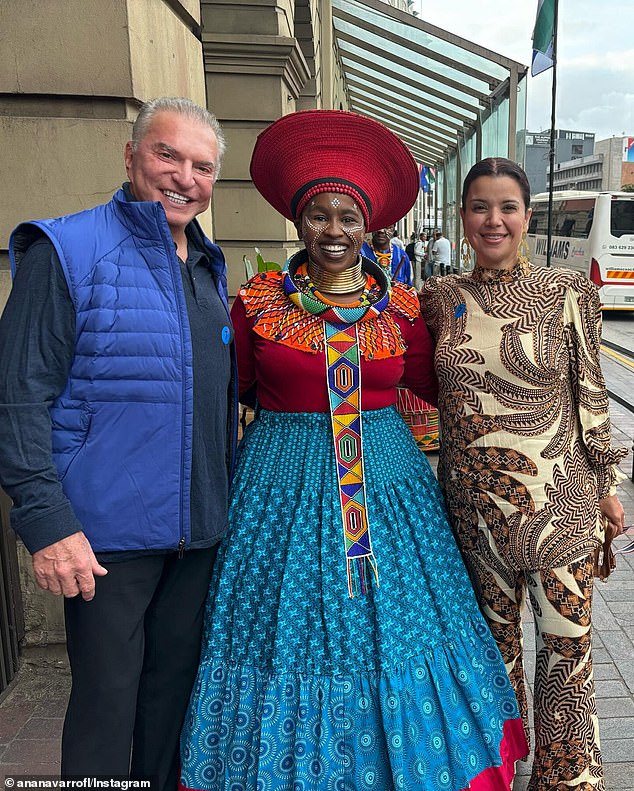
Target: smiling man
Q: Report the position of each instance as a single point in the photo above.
(117, 436)
(173, 159)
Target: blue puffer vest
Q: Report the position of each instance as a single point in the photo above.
(122, 428)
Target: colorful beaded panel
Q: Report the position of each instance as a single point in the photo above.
(344, 393)
(384, 259)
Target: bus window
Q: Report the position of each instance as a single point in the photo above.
(622, 218)
(576, 218)
(539, 220)
(534, 221)
(567, 227)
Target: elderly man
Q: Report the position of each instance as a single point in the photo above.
(118, 415)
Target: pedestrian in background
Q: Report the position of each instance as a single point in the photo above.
(441, 253)
(429, 255)
(383, 251)
(409, 248)
(396, 239)
(420, 248)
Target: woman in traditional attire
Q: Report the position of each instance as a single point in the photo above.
(344, 648)
(526, 461)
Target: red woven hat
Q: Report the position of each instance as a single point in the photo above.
(314, 151)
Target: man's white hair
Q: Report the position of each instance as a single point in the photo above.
(181, 106)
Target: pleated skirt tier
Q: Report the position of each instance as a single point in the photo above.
(302, 688)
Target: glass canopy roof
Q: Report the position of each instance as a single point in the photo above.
(433, 89)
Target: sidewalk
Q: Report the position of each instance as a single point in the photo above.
(32, 710)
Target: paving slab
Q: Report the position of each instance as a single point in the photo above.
(608, 708)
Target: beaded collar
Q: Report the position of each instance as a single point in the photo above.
(383, 258)
(278, 318)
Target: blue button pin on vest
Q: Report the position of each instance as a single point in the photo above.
(226, 335)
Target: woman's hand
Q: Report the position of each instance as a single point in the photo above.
(614, 516)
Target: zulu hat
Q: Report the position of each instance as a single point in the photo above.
(313, 151)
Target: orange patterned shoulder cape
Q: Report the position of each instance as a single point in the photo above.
(278, 319)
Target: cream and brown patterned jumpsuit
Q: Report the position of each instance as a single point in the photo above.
(524, 460)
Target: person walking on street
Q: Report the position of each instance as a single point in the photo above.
(117, 432)
(420, 249)
(396, 239)
(441, 253)
(409, 248)
(429, 255)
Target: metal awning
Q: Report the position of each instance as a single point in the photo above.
(430, 87)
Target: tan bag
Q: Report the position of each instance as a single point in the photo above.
(604, 560)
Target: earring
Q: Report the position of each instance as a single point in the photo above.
(523, 253)
(465, 254)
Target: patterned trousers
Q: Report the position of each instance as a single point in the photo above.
(567, 754)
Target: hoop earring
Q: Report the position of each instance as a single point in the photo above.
(523, 253)
(465, 254)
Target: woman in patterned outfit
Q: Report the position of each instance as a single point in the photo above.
(526, 464)
(332, 660)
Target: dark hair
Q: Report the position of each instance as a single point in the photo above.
(497, 166)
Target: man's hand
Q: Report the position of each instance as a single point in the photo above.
(68, 567)
(614, 516)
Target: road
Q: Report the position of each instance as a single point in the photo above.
(618, 364)
(619, 328)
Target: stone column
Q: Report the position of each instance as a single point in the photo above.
(255, 71)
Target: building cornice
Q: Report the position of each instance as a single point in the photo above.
(257, 54)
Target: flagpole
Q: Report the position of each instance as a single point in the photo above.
(551, 176)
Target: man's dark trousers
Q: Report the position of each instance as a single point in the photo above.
(134, 652)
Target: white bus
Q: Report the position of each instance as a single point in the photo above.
(592, 232)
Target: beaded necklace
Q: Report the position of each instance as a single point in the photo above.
(300, 289)
(384, 258)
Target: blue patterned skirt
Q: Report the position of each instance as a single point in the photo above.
(301, 688)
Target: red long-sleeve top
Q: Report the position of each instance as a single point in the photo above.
(290, 375)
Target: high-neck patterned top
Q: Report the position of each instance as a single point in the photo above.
(525, 431)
